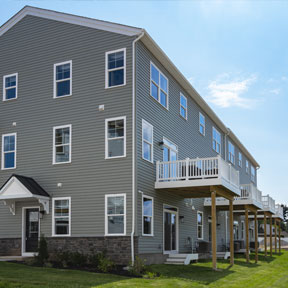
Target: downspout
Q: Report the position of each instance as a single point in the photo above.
(226, 213)
(133, 143)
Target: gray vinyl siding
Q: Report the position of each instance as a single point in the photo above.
(31, 48)
(185, 134)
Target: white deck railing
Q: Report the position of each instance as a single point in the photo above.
(249, 191)
(279, 211)
(268, 203)
(195, 169)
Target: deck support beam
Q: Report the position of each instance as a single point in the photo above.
(275, 234)
(271, 244)
(231, 233)
(214, 224)
(265, 234)
(247, 234)
(256, 237)
(279, 231)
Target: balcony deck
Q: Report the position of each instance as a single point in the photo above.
(279, 214)
(194, 177)
(250, 197)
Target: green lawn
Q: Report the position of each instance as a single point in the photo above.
(270, 272)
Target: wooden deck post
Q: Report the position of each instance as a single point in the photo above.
(231, 233)
(214, 224)
(275, 234)
(279, 230)
(271, 244)
(247, 234)
(265, 234)
(256, 236)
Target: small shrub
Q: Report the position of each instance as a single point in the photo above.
(43, 255)
(150, 275)
(77, 259)
(104, 264)
(139, 268)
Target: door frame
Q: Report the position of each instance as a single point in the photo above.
(23, 246)
(177, 229)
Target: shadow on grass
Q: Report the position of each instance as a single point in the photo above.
(201, 274)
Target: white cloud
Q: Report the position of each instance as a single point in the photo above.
(275, 91)
(225, 92)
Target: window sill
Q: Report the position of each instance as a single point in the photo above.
(60, 97)
(8, 100)
(59, 163)
(151, 162)
(115, 86)
(116, 157)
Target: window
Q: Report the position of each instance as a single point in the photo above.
(216, 141)
(200, 225)
(62, 144)
(61, 216)
(242, 229)
(10, 83)
(231, 154)
(240, 159)
(115, 131)
(115, 74)
(147, 141)
(9, 143)
(247, 167)
(183, 106)
(147, 215)
(201, 124)
(253, 174)
(63, 79)
(115, 218)
(159, 86)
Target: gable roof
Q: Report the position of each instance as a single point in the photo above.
(30, 184)
(148, 42)
(69, 18)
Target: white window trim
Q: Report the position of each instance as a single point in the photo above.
(106, 215)
(53, 216)
(106, 137)
(200, 212)
(204, 127)
(4, 88)
(213, 128)
(55, 81)
(231, 156)
(152, 218)
(114, 69)
(185, 108)
(143, 140)
(242, 230)
(70, 144)
(247, 167)
(159, 89)
(239, 153)
(15, 151)
(253, 177)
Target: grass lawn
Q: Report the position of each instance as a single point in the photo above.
(269, 272)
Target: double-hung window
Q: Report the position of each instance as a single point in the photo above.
(62, 144)
(10, 83)
(115, 214)
(183, 106)
(231, 152)
(147, 141)
(216, 140)
(253, 174)
(158, 85)
(63, 79)
(61, 216)
(115, 68)
(200, 225)
(115, 131)
(147, 215)
(240, 159)
(201, 124)
(9, 142)
(247, 167)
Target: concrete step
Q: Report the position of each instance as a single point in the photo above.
(178, 260)
(177, 256)
(174, 263)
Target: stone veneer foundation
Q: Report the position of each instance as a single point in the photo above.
(10, 246)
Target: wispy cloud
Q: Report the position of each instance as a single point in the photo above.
(275, 91)
(227, 92)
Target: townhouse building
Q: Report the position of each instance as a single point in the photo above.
(106, 146)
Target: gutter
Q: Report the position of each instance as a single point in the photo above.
(133, 143)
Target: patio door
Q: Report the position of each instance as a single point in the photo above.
(30, 231)
(170, 153)
(170, 218)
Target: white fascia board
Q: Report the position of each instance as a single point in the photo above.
(71, 19)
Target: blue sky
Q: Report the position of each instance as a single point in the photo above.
(233, 52)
